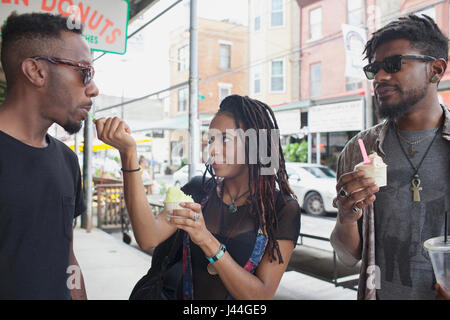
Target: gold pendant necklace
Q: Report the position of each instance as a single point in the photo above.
(415, 181)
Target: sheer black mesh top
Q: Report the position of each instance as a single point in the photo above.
(238, 232)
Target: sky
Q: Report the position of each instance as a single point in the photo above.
(145, 67)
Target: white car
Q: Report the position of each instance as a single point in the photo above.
(180, 177)
(314, 185)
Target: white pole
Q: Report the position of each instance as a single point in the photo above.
(194, 126)
(318, 147)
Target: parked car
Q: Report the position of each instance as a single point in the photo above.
(314, 185)
(180, 177)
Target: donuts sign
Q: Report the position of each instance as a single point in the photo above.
(105, 21)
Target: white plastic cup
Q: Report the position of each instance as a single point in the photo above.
(439, 252)
(170, 206)
(379, 174)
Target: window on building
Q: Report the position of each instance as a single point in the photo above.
(183, 99)
(277, 76)
(277, 13)
(257, 82)
(224, 91)
(315, 23)
(257, 13)
(315, 75)
(352, 84)
(354, 12)
(225, 56)
(183, 58)
(303, 119)
(257, 23)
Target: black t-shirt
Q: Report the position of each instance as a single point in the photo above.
(238, 232)
(40, 194)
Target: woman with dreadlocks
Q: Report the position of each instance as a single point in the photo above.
(238, 240)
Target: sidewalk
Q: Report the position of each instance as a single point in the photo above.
(111, 269)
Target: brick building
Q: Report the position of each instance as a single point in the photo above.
(333, 105)
(222, 59)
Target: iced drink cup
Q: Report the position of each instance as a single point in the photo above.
(439, 252)
(172, 202)
(376, 169)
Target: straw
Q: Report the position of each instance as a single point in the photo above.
(363, 151)
(445, 226)
(92, 116)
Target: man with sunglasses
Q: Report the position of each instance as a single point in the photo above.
(49, 80)
(386, 227)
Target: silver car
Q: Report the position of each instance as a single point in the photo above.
(314, 185)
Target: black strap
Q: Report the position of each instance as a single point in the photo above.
(416, 170)
(173, 250)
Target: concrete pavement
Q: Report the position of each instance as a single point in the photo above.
(111, 268)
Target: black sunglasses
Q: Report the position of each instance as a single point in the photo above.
(392, 64)
(87, 70)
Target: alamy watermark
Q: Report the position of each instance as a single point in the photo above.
(229, 147)
(74, 279)
(74, 19)
(373, 277)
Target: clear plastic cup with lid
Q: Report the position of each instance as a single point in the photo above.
(439, 252)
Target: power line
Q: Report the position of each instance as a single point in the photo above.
(146, 24)
(144, 97)
(282, 54)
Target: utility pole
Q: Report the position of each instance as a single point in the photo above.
(86, 217)
(194, 126)
(367, 85)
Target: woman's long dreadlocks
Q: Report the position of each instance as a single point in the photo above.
(254, 114)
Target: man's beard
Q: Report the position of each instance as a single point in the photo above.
(72, 128)
(396, 111)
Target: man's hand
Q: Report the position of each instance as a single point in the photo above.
(441, 293)
(354, 192)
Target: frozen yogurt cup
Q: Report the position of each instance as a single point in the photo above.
(376, 169)
(172, 201)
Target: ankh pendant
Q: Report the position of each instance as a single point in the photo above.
(415, 182)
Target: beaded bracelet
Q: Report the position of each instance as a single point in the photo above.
(219, 254)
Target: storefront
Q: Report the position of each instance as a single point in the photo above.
(326, 127)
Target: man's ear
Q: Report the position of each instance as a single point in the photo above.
(34, 72)
(438, 68)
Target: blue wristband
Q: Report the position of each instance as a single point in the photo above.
(219, 254)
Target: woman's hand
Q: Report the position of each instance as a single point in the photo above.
(115, 133)
(192, 222)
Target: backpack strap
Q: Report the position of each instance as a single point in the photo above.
(200, 195)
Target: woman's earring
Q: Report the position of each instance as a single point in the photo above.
(433, 79)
